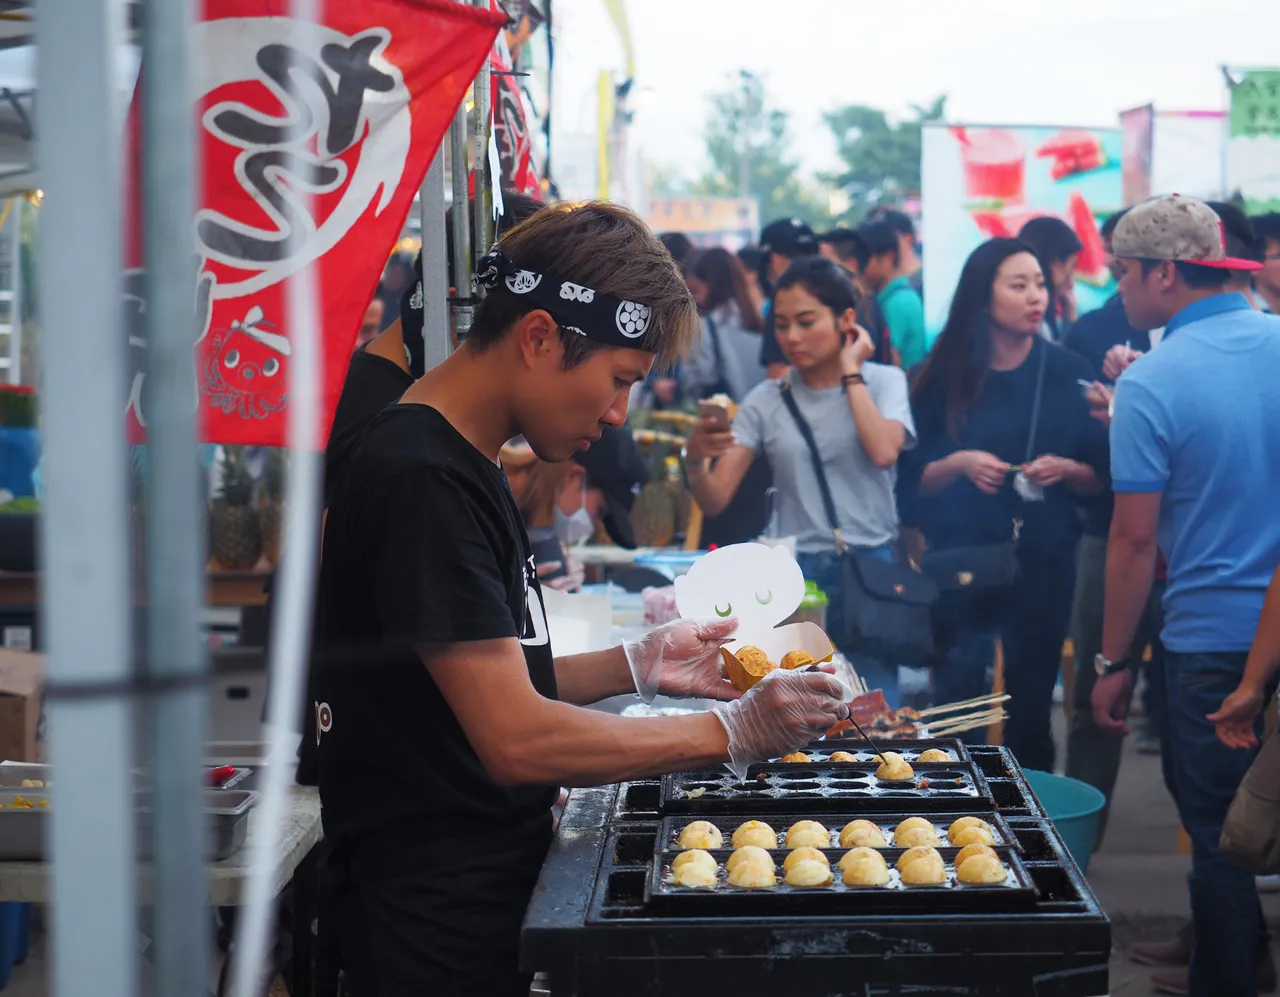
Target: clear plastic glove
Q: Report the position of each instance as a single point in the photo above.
(782, 712)
(682, 659)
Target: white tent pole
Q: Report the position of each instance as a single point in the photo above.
(85, 525)
(435, 265)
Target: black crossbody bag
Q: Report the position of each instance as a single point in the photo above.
(886, 605)
(984, 566)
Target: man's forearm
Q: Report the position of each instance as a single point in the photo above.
(1131, 567)
(563, 745)
(1082, 479)
(591, 677)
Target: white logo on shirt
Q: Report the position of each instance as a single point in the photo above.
(324, 720)
(535, 614)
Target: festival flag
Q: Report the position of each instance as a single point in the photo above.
(511, 122)
(360, 101)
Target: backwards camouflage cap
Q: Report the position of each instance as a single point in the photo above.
(1172, 227)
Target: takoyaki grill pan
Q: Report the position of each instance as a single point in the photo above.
(823, 786)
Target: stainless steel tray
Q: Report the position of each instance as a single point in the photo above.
(14, 774)
(23, 829)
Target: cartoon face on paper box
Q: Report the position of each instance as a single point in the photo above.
(760, 585)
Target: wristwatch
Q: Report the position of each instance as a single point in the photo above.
(1104, 666)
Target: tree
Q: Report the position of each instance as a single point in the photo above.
(882, 160)
(746, 140)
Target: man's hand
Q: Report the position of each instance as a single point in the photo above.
(682, 659)
(708, 439)
(1100, 398)
(1110, 701)
(985, 470)
(1117, 361)
(1235, 717)
(858, 349)
(1047, 470)
(783, 711)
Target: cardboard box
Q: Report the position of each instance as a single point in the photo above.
(21, 706)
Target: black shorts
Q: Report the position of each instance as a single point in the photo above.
(448, 922)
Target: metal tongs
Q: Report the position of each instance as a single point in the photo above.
(848, 711)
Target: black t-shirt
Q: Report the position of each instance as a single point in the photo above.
(424, 544)
(372, 383)
(961, 515)
(1092, 336)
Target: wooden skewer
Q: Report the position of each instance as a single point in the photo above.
(990, 700)
(964, 718)
(966, 722)
(980, 722)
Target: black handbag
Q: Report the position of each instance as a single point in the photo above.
(985, 566)
(886, 605)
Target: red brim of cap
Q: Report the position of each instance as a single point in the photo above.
(1230, 263)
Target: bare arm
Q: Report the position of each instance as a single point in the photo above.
(941, 473)
(714, 487)
(882, 438)
(522, 738)
(1264, 656)
(1131, 566)
(588, 678)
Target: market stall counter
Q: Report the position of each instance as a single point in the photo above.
(609, 917)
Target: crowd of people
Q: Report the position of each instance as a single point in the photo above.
(1046, 475)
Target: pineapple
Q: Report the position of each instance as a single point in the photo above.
(272, 508)
(654, 515)
(235, 528)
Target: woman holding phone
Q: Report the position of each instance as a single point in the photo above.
(1007, 448)
(860, 418)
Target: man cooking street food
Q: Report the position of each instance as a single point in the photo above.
(445, 723)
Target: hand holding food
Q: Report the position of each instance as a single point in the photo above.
(788, 710)
(986, 471)
(682, 659)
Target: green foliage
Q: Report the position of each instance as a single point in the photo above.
(881, 159)
(747, 140)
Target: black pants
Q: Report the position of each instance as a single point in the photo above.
(439, 921)
(1031, 620)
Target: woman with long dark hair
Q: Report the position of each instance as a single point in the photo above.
(1006, 448)
(728, 356)
(860, 418)
(1057, 247)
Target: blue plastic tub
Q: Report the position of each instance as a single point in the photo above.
(1075, 808)
(15, 938)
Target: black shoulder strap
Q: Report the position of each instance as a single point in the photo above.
(714, 333)
(1035, 404)
(828, 503)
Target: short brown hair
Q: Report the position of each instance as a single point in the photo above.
(600, 245)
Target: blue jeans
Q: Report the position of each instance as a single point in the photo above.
(824, 568)
(1031, 619)
(1230, 934)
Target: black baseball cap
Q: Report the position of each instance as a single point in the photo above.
(615, 465)
(788, 237)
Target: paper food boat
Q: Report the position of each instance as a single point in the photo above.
(761, 586)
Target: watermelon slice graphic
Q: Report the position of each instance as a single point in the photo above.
(1073, 151)
(1091, 266)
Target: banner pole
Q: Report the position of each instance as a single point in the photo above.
(462, 307)
(481, 122)
(435, 265)
(175, 500)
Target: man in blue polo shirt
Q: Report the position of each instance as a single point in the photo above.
(1195, 460)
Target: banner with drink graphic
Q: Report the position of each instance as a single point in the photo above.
(349, 110)
(1253, 138)
(979, 182)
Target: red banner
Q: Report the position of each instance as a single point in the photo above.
(349, 112)
(511, 123)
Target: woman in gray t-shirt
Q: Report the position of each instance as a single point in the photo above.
(860, 416)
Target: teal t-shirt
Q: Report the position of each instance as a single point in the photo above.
(904, 316)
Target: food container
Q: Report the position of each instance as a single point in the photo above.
(994, 164)
(759, 585)
(23, 829)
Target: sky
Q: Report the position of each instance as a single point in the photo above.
(999, 61)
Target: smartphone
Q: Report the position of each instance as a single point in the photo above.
(717, 413)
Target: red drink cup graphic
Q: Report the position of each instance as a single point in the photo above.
(994, 165)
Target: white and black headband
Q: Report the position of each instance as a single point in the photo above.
(599, 316)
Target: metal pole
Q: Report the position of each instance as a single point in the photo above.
(175, 498)
(482, 120)
(462, 306)
(291, 624)
(86, 522)
(435, 265)
(16, 303)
